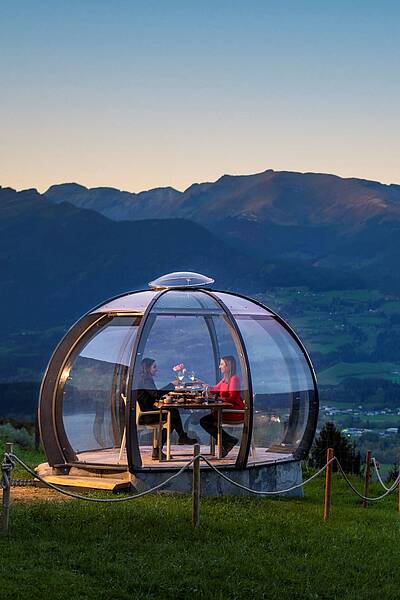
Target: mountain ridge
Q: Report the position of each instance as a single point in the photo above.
(278, 193)
(59, 259)
(320, 219)
(72, 258)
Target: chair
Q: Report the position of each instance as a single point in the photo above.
(155, 427)
(234, 424)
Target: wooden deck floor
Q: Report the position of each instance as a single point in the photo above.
(180, 456)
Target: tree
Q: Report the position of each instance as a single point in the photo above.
(393, 473)
(346, 452)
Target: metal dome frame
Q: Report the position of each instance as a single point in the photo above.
(58, 449)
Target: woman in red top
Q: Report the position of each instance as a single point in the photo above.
(229, 391)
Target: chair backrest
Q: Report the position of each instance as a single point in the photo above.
(138, 413)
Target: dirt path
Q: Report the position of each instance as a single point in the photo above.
(36, 494)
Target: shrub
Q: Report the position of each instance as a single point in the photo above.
(22, 437)
(393, 473)
(346, 453)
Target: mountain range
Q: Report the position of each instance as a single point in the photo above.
(282, 198)
(317, 219)
(68, 249)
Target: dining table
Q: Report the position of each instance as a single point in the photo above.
(188, 399)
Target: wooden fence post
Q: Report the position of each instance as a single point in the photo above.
(367, 477)
(5, 515)
(196, 487)
(328, 484)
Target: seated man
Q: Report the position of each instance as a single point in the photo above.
(148, 394)
(229, 391)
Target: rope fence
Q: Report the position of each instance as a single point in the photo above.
(10, 460)
(104, 500)
(262, 492)
(378, 473)
(368, 498)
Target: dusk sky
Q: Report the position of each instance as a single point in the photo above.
(141, 94)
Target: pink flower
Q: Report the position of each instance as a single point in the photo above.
(179, 367)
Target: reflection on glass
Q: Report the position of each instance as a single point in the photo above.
(92, 407)
(136, 302)
(181, 302)
(241, 306)
(282, 384)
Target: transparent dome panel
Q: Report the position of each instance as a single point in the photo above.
(182, 353)
(181, 279)
(282, 384)
(94, 385)
(186, 302)
(136, 302)
(241, 306)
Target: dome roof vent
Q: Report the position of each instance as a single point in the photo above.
(181, 279)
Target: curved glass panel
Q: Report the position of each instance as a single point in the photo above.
(181, 346)
(241, 306)
(136, 302)
(175, 301)
(181, 279)
(282, 385)
(93, 388)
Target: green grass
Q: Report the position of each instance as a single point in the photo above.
(30, 457)
(334, 375)
(244, 548)
(390, 307)
(353, 296)
(330, 322)
(337, 404)
(381, 420)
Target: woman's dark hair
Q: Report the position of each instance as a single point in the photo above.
(145, 367)
(231, 367)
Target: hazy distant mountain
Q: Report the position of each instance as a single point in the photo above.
(59, 260)
(117, 205)
(281, 198)
(322, 220)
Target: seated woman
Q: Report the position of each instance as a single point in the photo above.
(229, 391)
(148, 394)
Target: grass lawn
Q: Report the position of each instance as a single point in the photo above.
(244, 548)
(382, 420)
(334, 375)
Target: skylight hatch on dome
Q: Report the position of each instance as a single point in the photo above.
(181, 279)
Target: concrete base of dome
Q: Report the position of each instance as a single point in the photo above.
(272, 476)
(268, 477)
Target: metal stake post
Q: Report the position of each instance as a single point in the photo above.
(328, 484)
(196, 487)
(6, 471)
(367, 477)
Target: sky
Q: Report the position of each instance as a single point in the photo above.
(141, 94)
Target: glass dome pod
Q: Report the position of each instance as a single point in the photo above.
(89, 410)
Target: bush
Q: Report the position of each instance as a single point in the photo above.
(393, 473)
(346, 453)
(21, 436)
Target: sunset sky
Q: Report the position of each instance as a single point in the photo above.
(141, 94)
